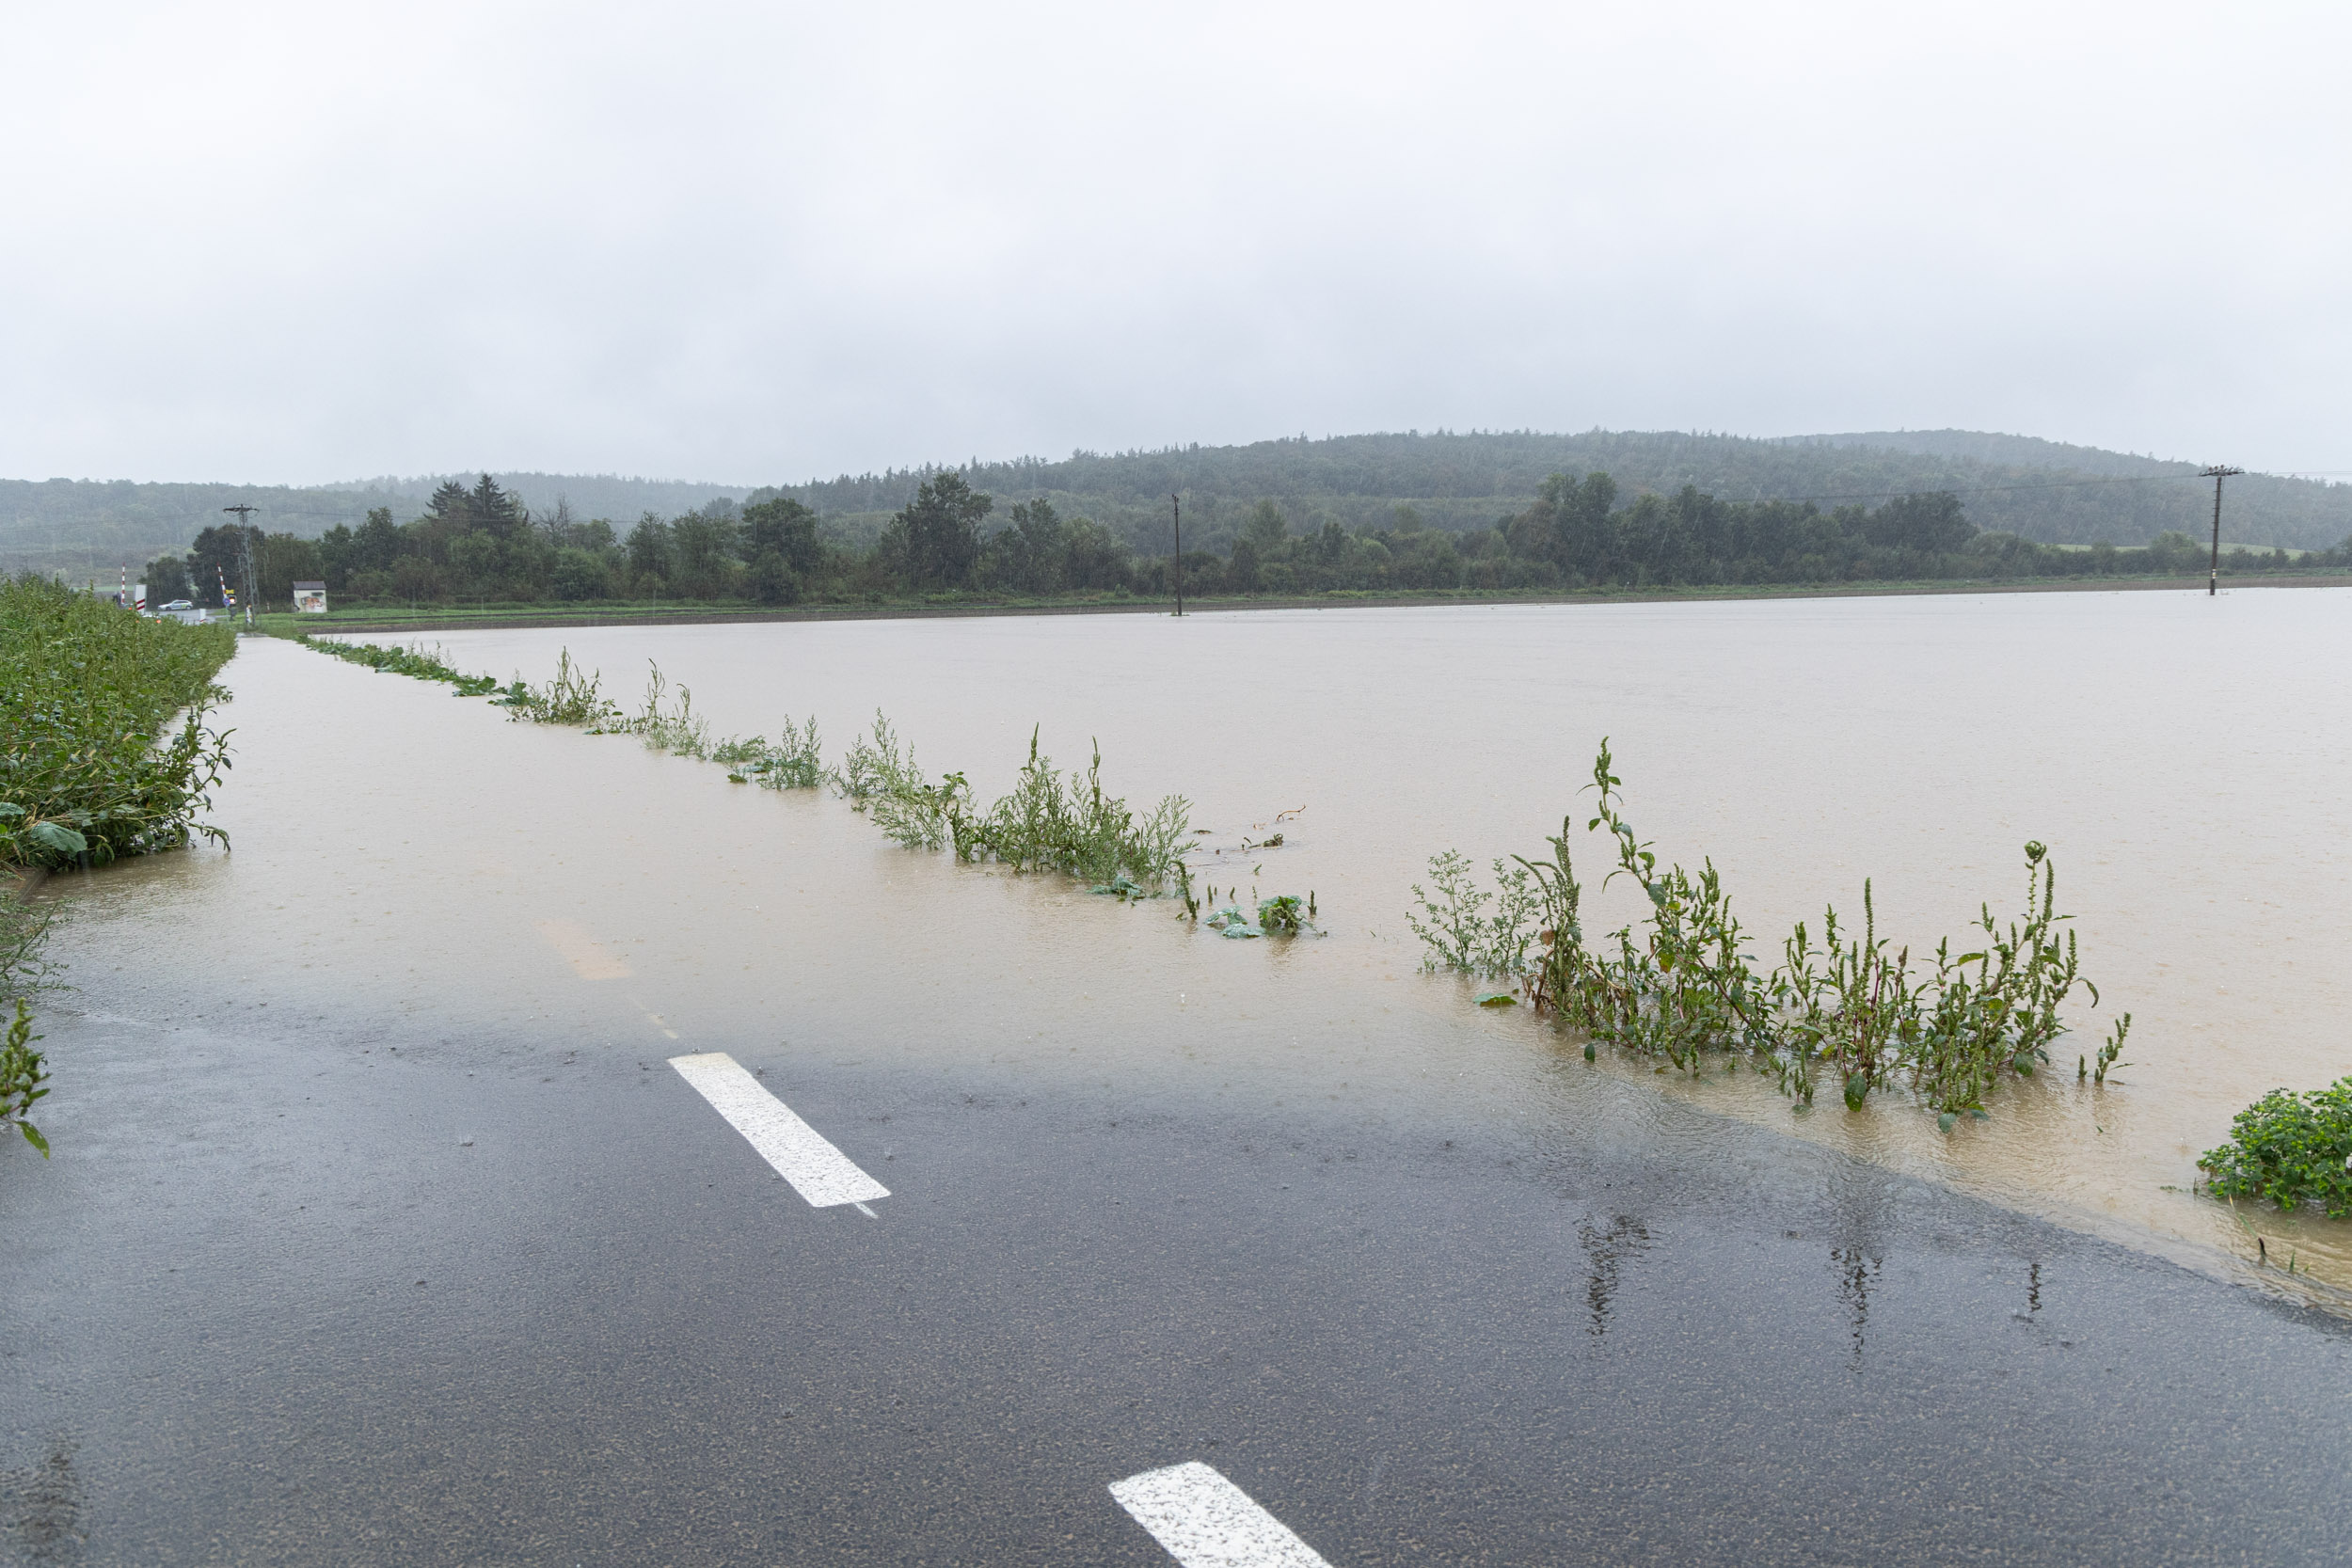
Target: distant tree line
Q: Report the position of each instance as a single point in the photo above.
(479, 545)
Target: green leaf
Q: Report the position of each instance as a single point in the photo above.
(58, 836)
(32, 1135)
(1946, 1122)
(1496, 999)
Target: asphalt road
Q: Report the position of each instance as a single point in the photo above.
(301, 1293)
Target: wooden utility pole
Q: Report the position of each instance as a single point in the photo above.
(1176, 507)
(2213, 576)
(244, 552)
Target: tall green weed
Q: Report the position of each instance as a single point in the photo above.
(1681, 983)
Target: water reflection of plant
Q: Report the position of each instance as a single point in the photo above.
(1684, 987)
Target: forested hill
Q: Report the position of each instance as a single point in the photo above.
(2042, 490)
(93, 526)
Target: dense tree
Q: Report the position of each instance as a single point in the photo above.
(649, 551)
(1932, 525)
(219, 557)
(935, 541)
(704, 546)
(478, 544)
(167, 580)
(788, 528)
(1031, 555)
(281, 561)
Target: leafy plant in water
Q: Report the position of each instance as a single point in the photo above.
(1282, 915)
(2290, 1149)
(24, 1074)
(570, 698)
(1682, 985)
(792, 761)
(881, 778)
(675, 730)
(1460, 935)
(1230, 921)
(417, 661)
(1075, 827)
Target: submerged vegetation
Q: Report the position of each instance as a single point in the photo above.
(1684, 987)
(2290, 1149)
(1049, 822)
(23, 1078)
(415, 661)
(86, 690)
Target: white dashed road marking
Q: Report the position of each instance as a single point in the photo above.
(1206, 1521)
(818, 1171)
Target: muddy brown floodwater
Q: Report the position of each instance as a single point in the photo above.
(403, 852)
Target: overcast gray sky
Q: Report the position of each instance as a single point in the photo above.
(760, 243)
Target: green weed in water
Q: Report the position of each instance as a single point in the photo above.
(1681, 984)
(570, 698)
(1074, 827)
(418, 662)
(23, 1076)
(792, 761)
(1458, 932)
(673, 729)
(2291, 1148)
(879, 777)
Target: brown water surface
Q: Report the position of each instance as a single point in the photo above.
(403, 854)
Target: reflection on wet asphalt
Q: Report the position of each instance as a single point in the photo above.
(381, 1230)
(43, 1503)
(297, 1316)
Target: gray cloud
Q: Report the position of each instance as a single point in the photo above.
(757, 243)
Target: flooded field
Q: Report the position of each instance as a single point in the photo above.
(402, 853)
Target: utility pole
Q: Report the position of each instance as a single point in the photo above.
(245, 549)
(1176, 506)
(2216, 473)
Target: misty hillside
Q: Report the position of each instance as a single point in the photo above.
(2044, 490)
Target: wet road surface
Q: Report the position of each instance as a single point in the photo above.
(313, 1294)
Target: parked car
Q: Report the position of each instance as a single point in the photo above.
(180, 604)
